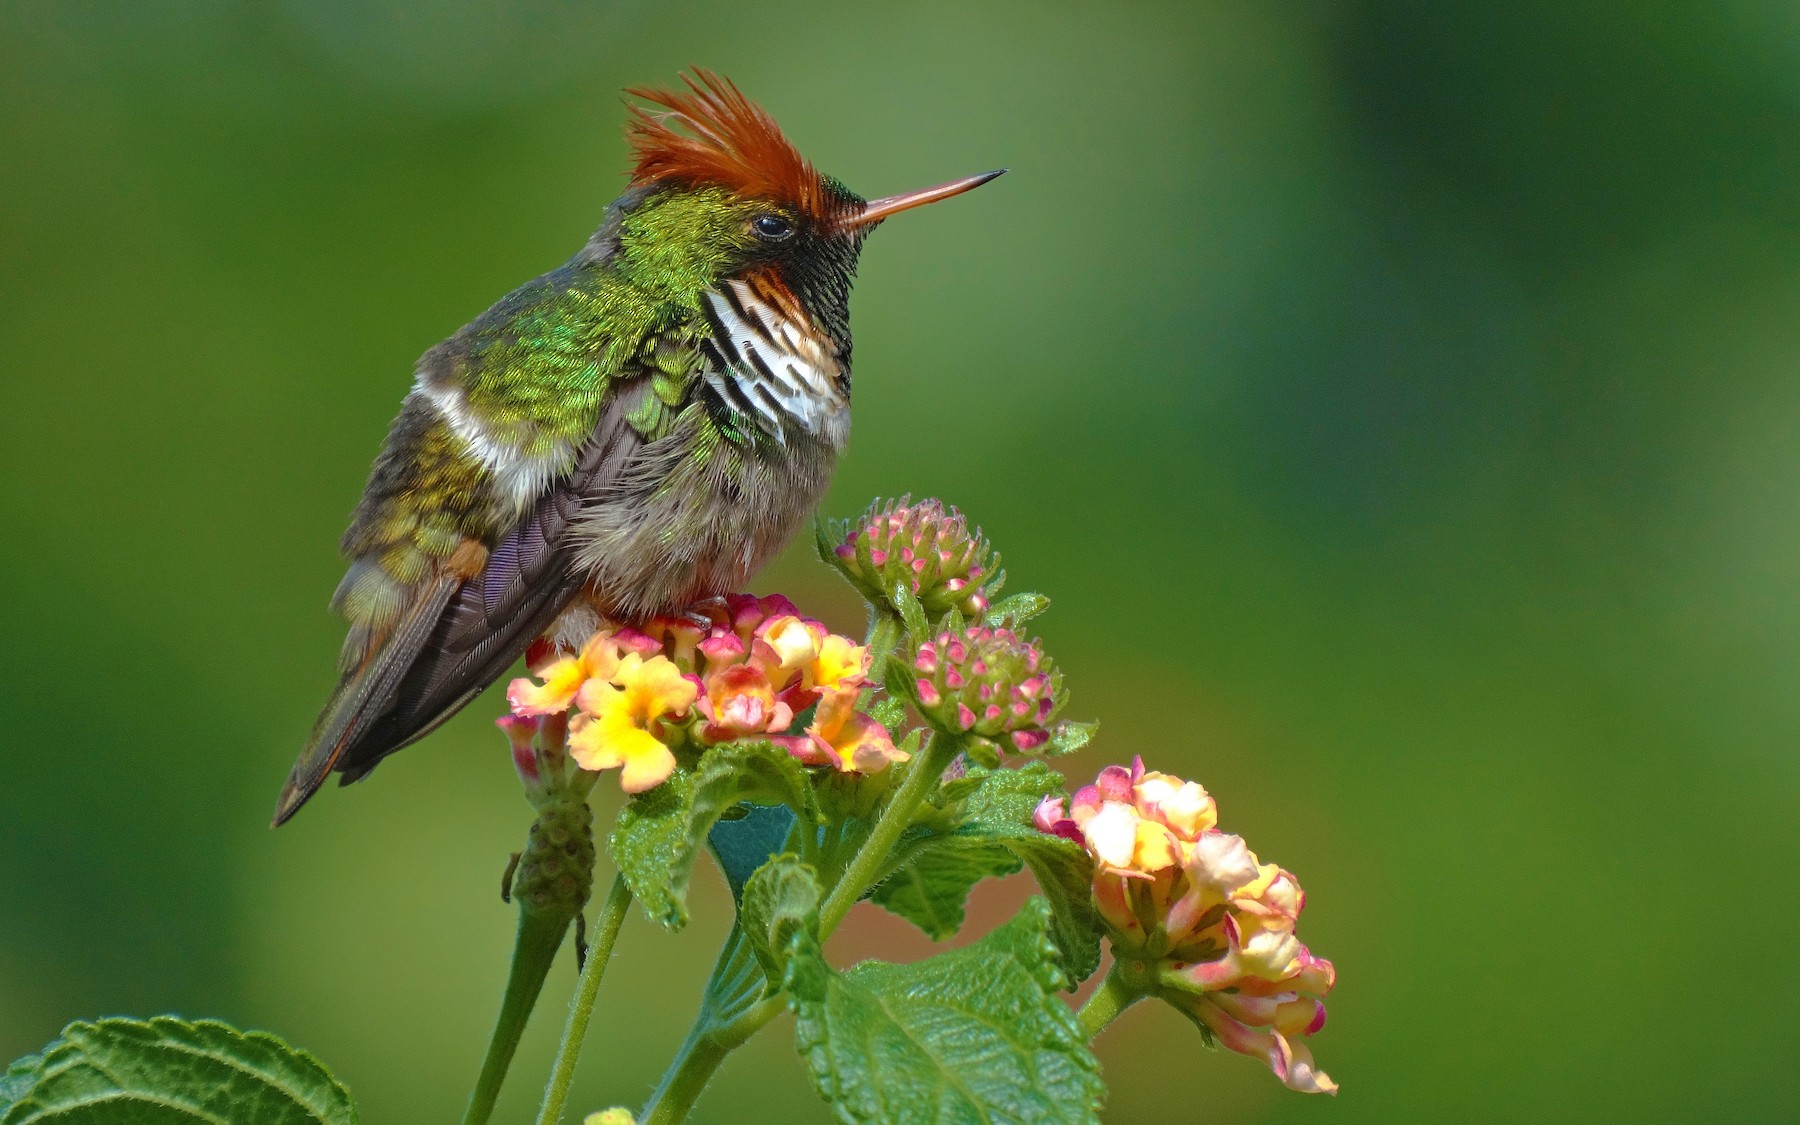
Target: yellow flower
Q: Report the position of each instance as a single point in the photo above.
(794, 641)
(846, 739)
(621, 720)
(563, 677)
(841, 662)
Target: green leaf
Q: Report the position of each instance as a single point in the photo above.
(932, 891)
(741, 844)
(168, 1071)
(906, 604)
(1014, 611)
(974, 1035)
(1065, 874)
(953, 852)
(18, 1079)
(827, 535)
(781, 899)
(646, 840)
(659, 832)
(1069, 736)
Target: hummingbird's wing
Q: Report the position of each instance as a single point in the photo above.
(461, 631)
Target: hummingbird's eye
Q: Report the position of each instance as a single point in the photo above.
(772, 227)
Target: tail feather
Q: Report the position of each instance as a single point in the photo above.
(364, 694)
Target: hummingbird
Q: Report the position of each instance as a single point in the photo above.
(628, 435)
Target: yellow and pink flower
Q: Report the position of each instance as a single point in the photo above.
(1217, 924)
(741, 667)
(623, 719)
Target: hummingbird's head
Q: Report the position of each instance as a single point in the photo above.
(719, 193)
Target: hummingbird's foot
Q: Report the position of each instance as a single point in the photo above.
(581, 945)
(506, 878)
(707, 612)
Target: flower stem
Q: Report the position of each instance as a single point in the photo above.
(940, 750)
(732, 1010)
(886, 630)
(540, 936)
(1114, 995)
(606, 927)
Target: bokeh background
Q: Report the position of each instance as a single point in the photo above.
(1398, 400)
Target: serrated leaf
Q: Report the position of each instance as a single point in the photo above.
(931, 889)
(781, 899)
(168, 1071)
(827, 535)
(1065, 874)
(888, 711)
(647, 840)
(659, 834)
(18, 1079)
(974, 1035)
(1013, 611)
(900, 680)
(1069, 736)
(912, 613)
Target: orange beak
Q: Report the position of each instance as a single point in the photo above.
(879, 209)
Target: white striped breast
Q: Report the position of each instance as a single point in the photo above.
(772, 369)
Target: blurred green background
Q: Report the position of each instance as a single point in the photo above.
(1398, 400)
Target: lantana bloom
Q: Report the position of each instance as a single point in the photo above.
(926, 547)
(990, 684)
(740, 668)
(622, 717)
(1217, 924)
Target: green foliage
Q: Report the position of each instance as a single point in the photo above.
(1015, 610)
(973, 1035)
(931, 892)
(167, 1071)
(646, 839)
(1069, 736)
(659, 833)
(985, 830)
(781, 899)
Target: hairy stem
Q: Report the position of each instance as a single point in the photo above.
(733, 994)
(921, 776)
(540, 936)
(1114, 995)
(886, 631)
(606, 932)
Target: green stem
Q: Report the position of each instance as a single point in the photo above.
(731, 1011)
(940, 750)
(886, 630)
(606, 927)
(1114, 995)
(540, 936)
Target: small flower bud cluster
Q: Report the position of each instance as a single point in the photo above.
(555, 872)
(925, 547)
(990, 683)
(1217, 924)
(745, 671)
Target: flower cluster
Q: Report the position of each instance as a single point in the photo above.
(1217, 925)
(989, 683)
(924, 547)
(742, 667)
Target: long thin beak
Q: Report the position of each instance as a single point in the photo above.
(880, 209)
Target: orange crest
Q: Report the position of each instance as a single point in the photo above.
(734, 143)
